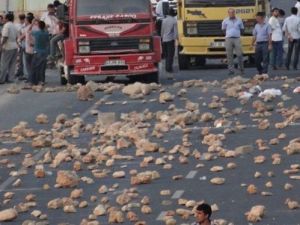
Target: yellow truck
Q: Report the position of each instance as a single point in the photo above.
(200, 33)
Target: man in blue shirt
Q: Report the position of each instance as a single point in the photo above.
(262, 40)
(233, 27)
(41, 48)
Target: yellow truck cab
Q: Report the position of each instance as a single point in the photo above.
(199, 28)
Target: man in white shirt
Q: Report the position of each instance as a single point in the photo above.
(298, 7)
(277, 39)
(9, 48)
(291, 28)
(50, 20)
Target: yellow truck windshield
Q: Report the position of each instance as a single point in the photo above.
(218, 3)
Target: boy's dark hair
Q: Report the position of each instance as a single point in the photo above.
(50, 6)
(205, 208)
(30, 14)
(294, 10)
(29, 19)
(275, 9)
(261, 14)
(42, 25)
(10, 17)
(22, 17)
(282, 12)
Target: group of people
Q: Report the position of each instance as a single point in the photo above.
(32, 42)
(268, 38)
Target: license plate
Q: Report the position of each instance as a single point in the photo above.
(218, 44)
(115, 62)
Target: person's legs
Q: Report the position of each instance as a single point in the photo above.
(29, 66)
(274, 54)
(289, 54)
(43, 68)
(296, 53)
(25, 66)
(229, 52)
(239, 53)
(53, 44)
(12, 65)
(19, 62)
(265, 57)
(258, 58)
(167, 56)
(279, 53)
(171, 53)
(35, 69)
(4, 66)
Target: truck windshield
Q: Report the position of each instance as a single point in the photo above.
(111, 7)
(218, 3)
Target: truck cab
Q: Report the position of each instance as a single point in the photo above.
(199, 27)
(110, 38)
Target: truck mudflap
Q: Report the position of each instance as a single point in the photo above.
(115, 64)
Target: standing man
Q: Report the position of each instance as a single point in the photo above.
(40, 53)
(9, 48)
(21, 68)
(233, 27)
(202, 214)
(277, 39)
(169, 36)
(262, 40)
(291, 28)
(50, 20)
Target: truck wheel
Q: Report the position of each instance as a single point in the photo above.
(152, 78)
(183, 62)
(73, 79)
(200, 61)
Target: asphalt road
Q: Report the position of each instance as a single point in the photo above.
(232, 198)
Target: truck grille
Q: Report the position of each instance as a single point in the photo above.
(103, 45)
(208, 28)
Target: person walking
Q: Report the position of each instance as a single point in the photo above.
(39, 60)
(277, 39)
(262, 40)
(233, 26)
(203, 213)
(9, 48)
(291, 28)
(169, 35)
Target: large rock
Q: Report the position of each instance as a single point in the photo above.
(256, 213)
(67, 179)
(165, 97)
(8, 215)
(137, 89)
(85, 93)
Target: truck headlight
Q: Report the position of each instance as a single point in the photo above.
(191, 28)
(144, 45)
(84, 47)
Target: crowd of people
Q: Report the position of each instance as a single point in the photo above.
(32, 42)
(269, 35)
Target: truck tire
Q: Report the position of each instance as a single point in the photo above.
(183, 62)
(152, 78)
(200, 61)
(74, 79)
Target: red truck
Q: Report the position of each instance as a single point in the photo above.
(110, 38)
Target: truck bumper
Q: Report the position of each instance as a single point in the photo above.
(211, 47)
(125, 64)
